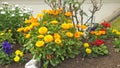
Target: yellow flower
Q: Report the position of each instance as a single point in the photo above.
(48, 38)
(68, 14)
(19, 53)
(118, 33)
(26, 29)
(65, 26)
(88, 51)
(44, 11)
(57, 35)
(27, 36)
(69, 34)
(98, 33)
(86, 45)
(20, 29)
(54, 22)
(2, 33)
(40, 36)
(35, 24)
(83, 26)
(39, 43)
(39, 15)
(16, 58)
(114, 30)
(27, 21)
(70, 25)
(9, 30)
(43, 30)
(58, 41)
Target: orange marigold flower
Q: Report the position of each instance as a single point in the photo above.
(48, 38)
(68, 14)
(78, 34)
(69, 34)
(35, 24)
(57, 35)
(92, 32)
(83, 27)
(43, 30)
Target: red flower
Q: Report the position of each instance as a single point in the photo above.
(106, 24)
(97, 42)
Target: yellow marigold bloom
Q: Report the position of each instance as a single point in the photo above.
(35, 24)
(16, 58)
(69, 34)
(27, 21)
(118, 33)
(20, 29)
(114, 30)
(65, 26)
(78, 34)
(70, 25)
(83, 27)
(2, 33)
(39, 15)
(54, 22)
(58, 41)
(57, 35)
(86, 45)
(39, 43)
(44, 11)
(40, 36)
(48, 38)
(9, 30)
(27, 36)
(33, 19)
(43, 30)
(88, 51)
(68, 14)
(26, 29)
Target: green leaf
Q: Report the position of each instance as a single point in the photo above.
(45, 64)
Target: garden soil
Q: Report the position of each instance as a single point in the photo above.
(110, 61)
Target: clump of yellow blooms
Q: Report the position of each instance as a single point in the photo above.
(69, 34)
(27, 36)
(66, 26)
(88, 51)
(18, 54)
(116, 31)
(54, 22)
(39, 43)
(86, 45)
(48, 38)
(43, 30)
(58, 41)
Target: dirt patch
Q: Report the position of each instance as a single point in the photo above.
(110, 61)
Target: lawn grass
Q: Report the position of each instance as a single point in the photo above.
(116, 23)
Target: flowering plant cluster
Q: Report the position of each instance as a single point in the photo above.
(12, 17)
(7, 54)
(51, 37)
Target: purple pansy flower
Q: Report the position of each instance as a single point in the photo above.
(7, 47)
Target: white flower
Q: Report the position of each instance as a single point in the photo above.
(16, 5)
(5, 3)
(1, 8)
(21, 15)
(2, 12)
(13, 15)
(13, 9)
(25, 11)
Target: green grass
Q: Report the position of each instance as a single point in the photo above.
(116, 23)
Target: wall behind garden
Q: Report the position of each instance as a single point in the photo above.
(108, 8)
